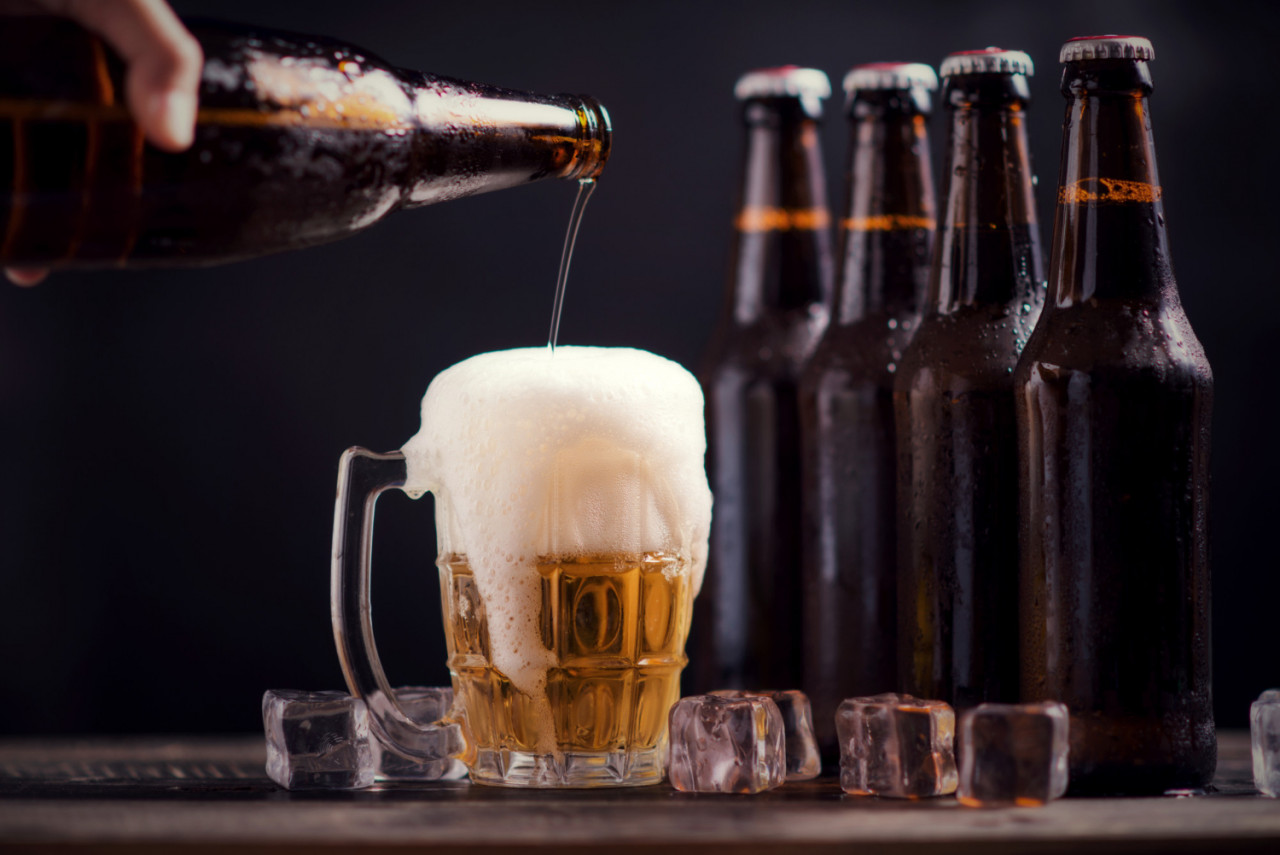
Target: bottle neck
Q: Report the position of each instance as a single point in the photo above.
(1109, 238)
(887, 236)
(782, 247)
(988, 246)
(472, 138)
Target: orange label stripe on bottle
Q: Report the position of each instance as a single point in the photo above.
(18, 205)
(762, 218)
(886, 223)
(106, 97)
(53, 111)
(1109, 190)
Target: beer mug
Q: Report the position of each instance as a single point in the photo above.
(572, 513)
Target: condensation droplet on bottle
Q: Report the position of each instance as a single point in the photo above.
(892, 367)
(1026, 307)
(893, 323)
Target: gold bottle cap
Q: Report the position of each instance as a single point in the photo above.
(1106, 47)
(890, 75)
(992, 60)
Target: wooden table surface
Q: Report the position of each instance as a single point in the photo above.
(210, 794)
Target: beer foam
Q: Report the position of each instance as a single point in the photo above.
(532, 453)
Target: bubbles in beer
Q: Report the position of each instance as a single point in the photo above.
(532, 455)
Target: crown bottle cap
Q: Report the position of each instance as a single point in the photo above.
(810, 85)
(1106, 47)
(783, 81)
(992, 60)
(890, 75)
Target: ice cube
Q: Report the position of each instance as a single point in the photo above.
(424, 705)
(803, 762)
(1013, 754)
(1264, 732)
(317, 740)
(896, 745)
(726, 745)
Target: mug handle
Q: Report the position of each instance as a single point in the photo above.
(363, 475)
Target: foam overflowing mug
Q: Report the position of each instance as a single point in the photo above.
(572, 514)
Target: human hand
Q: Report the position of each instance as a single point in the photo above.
(163, 63)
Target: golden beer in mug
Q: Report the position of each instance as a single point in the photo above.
(571, 515)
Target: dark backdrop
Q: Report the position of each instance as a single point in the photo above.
(170, 438)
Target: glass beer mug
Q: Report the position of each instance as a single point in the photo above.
(572, 513)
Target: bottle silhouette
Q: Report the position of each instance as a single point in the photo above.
(299, 140)
(747, 626)
(953, 397)
(1114, 397)
(846, 393)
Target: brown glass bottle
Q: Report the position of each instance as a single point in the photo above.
(747, 625)
(953, 397)
(846, 393)
(298, 140)
(1114, 399)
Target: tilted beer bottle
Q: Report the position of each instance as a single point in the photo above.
(298, 140)
(846, 393)
(1114, 396)
(748, 623)
(953, 398)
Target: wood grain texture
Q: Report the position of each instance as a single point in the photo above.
(210, 794)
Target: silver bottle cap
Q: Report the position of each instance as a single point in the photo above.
(890, 75)
(992, 60)
(1106, 47)
(808, 84)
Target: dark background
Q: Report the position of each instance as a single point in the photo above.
(169, 439)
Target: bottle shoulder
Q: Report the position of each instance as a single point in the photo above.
(1119, 336)
(778, 343)
(972, 346)
(865, 351)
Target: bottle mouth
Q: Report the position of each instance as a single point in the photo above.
(595, 139)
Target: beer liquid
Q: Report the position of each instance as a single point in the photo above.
(1114, 398)
(846, 408)
(954, 406)
(585, 188)
(298, 140)
(749, 628)
(570, 553)
(617, 626)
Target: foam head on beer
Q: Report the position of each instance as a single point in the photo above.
(534, 454)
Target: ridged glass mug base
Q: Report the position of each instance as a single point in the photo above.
(570, 769)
